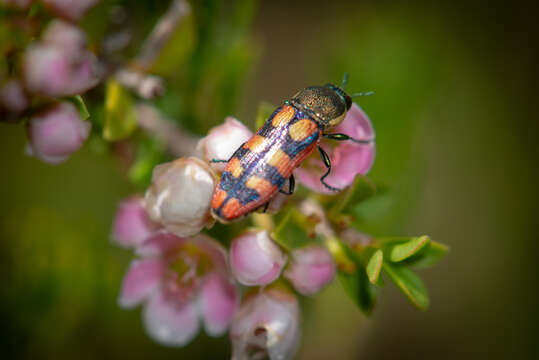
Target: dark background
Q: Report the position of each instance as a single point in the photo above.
(455, 113)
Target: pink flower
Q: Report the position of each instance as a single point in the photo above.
(132, 225)
(21, 4)
(180, 194)
(266, 325)
(255, 259)
(56, 132)
(222, 141)
(347, 158)
(60, 65)
(310, 269)
(181, 282)
(70, 9)
(13, 96)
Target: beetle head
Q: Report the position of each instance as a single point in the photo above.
(327, 104)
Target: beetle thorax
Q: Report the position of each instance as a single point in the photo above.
(325, 104)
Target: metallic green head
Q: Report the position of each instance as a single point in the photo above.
(326, 104)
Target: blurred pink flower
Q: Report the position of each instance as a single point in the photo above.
(181, 282)
(266, 326)
(132, 225)
(310, 269)
(60, 65)
(56, 132)
(70, 9)
(21, 4)
(13, 96)
(255, 259)
(347, 158)
(222, 141)
(180, 194)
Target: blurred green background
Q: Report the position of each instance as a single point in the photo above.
(457, 128)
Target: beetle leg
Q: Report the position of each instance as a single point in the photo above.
(218, 161)
(327, 162)
(291, 186)
(343, 137)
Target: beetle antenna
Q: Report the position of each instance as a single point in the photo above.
(344, 80)
(368, 93)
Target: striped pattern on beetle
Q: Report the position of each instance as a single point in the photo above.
(261, 166)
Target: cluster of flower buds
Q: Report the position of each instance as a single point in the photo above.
(185, 278)
(56, 66)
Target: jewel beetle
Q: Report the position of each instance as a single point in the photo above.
(259, 168)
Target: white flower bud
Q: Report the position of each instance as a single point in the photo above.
(180, 195)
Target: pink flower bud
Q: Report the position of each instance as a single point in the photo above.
(13, 97)
(65, 36)
(70, 9)
(310, 269)
(60, 65)
(222, 141)
(255, 259)
(180, 195)
(347, 158)
(267, 325)
(56, 132)
(132, 225)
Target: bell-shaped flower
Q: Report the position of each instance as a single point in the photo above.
(255, 259)
(180, 195)
(310, 269)
(69, 9)
(60, 65)
(132, 225)
(181, 282)
(56, 132)
(266, 326)
(348, 158)
(222, 141)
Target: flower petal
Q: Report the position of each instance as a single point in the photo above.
(132, 226)
(142, 278)
(218, 301)
(347, 158)
(159, 243)
(170, 322)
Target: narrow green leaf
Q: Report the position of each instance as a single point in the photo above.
(361, 189)
(293, 229)
(409, 248)
(374, 266)
(120, 120)
(149, 154)
(264, 111)
(79, 104)
(429, 256)
(359, 289)
(409, 283)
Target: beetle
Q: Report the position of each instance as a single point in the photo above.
(260, 167)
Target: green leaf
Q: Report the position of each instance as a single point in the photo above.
(409, 248)
(374, 266)
(429, 256)
(149, 154)
(361, 189)
(178, 49)
(409, 283)
(293, 230)
(265, 110)
(120, 120)
(79, 104)
(359, 289)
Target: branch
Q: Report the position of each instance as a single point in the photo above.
(179, 142)
(161, 33)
